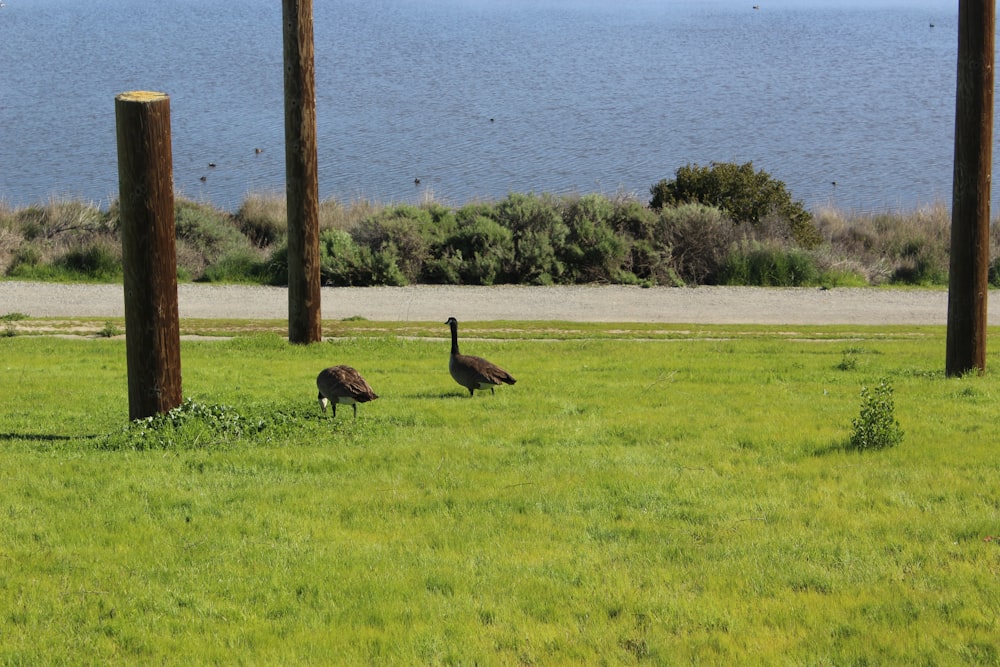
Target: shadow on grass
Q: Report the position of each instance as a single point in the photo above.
(838, 447)
(43, 437)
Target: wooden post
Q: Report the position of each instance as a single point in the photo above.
(970, 217)
(301, 174)
(146, 198)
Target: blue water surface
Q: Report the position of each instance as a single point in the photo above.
(850, 103)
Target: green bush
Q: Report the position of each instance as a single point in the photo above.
(476, 253)
(768, 266)
(98, 261)
(592, 251)
(239, 266)
(745, 195)
(23, 260)
(340, 259)
(537, 228)
(403, 236)
(212, 231)
(647, 256)
(876, 426)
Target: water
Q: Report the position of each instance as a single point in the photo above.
(479, 98)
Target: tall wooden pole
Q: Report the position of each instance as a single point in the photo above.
(149, 255)
(970, 217)
(301, 174)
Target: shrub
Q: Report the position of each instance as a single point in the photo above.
(745, 195)
(476, 253)
(876, 426)
(592, 252)
(994, 272)
(60, 217)
(909, 248)
(23, 259)
(238, 266)
(699, 238)
(100, 261)
(209, 229)
(340, 259)
(537, 229)
(263, 219)
(401, 235)
(647, 255)
(765, 265)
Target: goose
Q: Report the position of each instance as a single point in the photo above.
(343, 384)
(473, 372)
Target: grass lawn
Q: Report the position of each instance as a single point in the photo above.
(648, 494)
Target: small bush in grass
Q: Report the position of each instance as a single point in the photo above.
(876, 427)
(110, 330)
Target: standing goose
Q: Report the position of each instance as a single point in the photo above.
(473, 372)
(343, 384)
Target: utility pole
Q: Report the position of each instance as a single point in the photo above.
(970, 218)
(149, 254)
(301, 173)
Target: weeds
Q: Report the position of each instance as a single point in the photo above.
(876, 427)
(110, 330)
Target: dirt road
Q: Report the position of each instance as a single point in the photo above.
(699, 305)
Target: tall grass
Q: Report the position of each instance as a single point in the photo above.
(658, 495)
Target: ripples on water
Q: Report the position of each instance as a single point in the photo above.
(479, 98)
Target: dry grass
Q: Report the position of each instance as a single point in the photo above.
(890, 247)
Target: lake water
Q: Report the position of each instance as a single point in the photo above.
(479, 98)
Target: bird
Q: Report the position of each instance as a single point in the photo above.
(473, 372)
(211, 164)
(343, 384)
(416, 181)
(258, 151)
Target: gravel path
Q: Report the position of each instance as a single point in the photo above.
(699, 305)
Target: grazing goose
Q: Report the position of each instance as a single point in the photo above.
(473, 372)
(343, 384)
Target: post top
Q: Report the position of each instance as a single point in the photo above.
(142, 96)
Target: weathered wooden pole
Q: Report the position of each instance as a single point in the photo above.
(970, 217)
(149, 255)
(301, 174)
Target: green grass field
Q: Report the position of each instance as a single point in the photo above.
(645, 494)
